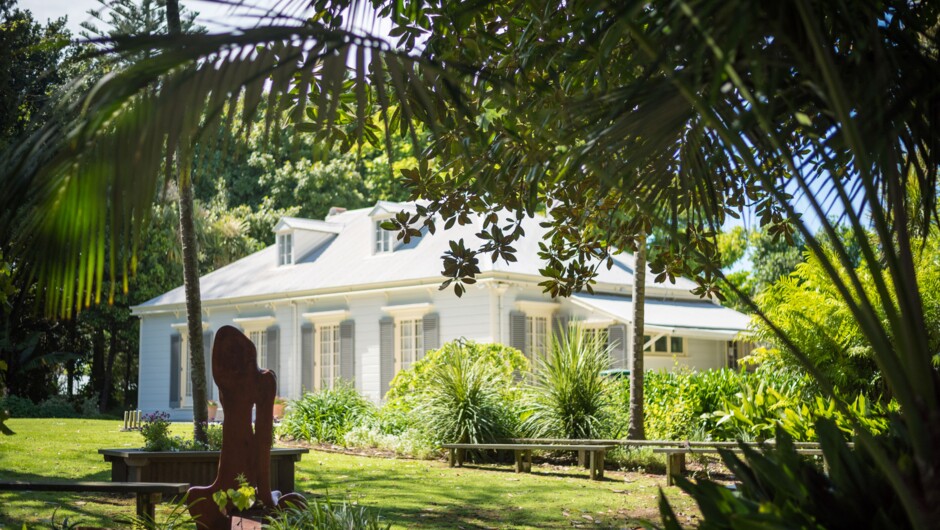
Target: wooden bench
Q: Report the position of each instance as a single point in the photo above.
(675, 456)
(675, 450)
(523, 454)
(148, 493)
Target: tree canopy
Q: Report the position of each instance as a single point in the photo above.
(612, 116)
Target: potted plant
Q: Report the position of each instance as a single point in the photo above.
(279, 404)
(213, 408)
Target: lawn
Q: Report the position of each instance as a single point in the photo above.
(408, 493)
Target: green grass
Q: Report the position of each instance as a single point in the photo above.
(408, 493)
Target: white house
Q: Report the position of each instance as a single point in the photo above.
(342, 299)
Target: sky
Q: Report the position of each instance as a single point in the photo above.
(216, 16)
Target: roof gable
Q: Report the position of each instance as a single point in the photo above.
(315, 225)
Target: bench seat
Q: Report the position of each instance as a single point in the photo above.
(523, 453)
(148, 493)
(675, 456)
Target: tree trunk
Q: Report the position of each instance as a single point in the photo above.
(128, 357)
(197, 361)
(636, 430)
(190, 268)
(70, 371)
(97, 361)
(173, 25)
(106, 388)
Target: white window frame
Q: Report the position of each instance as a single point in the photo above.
(383, 241)
(186, 384)
(256, 329)
(321, 321)
(596, 330)
(413, 315)
(536, 312)
(537, 341)
(408, 345)
(285, 248)
(325, 380)
(649, 346)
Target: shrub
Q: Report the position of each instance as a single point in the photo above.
(679, 404)
(214, 435)
(758, 412)
(412, 442)
(52, 407)
(407, 388)
(568, 397)
(56, 407)
(327, 415)
(464, 399)
(89, 407)
(782, 489)
(18, 407)
(156, 432)
(687, 405)
(326, 515)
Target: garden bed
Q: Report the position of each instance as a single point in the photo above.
(198, 468)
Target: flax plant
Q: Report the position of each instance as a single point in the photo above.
(463, 402)
(568, 396)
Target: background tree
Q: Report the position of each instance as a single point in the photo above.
(30, 68)
(754, 260)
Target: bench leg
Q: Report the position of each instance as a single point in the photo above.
(528, 461)
(460, 456)
(675, 463)
(597, 464)
(146, 506)
(519, 465)
(452, 457)
(583, 459)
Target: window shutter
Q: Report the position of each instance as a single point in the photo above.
(617, 342)
(274, 353)
(347, 350)
(432, 333)
(386, 353)
(176, 342)
(307, 357)
(560, 326)
(517, 330)
(207, 355)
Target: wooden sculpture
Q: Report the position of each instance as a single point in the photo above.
(245, 451)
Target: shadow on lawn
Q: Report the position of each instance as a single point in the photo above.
(48, 504)
(429, 502)
(537, 470)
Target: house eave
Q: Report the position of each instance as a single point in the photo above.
(366, 289)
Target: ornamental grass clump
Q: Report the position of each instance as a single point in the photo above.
(327, 415)
(463, 401)
(568, 396)
(326, 514)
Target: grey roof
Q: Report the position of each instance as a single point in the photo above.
(346, 261)
(677, 314)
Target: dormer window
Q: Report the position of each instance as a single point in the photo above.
(285, 249)
(384, 239)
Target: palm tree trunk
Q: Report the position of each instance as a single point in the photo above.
(197, 361)
(190, 270)
(636, 430)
